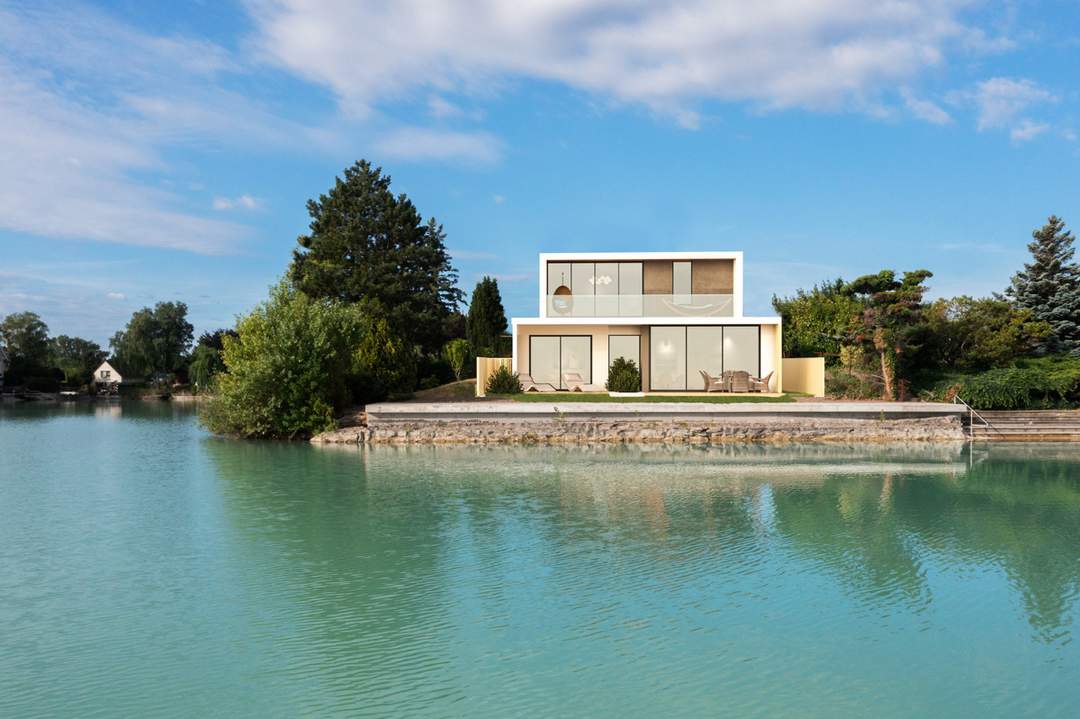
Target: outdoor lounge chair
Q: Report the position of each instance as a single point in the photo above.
(527, 385)
(714, 384)
(740, 381)
(576, 383)
(760, 384)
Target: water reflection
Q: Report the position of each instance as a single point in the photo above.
(148, 569)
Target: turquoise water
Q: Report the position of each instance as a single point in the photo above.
(147, 569)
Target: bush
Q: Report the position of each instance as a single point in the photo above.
(456, 353)
(288, 368)
(1037, 383)
(623, 376)
(503, 381)
(384, 364)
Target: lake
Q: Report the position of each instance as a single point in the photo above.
(148, 569)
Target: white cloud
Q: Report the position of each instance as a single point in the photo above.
(498, 199)
(88, 107)
(420, 143)
(1027, 130)
(925, 109)
(666, 56)
(439, 107)
(116, 295)
(471, 255)
(243, 202)
(1000, 100)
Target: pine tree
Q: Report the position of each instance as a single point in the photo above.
(487, 318)
(1049, 286)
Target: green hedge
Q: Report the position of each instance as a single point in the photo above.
(1039, 383)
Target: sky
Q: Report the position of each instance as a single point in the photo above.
(166, 151)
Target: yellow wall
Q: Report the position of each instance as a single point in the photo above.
(804, 374)
(485, 367)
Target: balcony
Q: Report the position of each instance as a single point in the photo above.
(590, 305)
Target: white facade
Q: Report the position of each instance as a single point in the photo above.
(107, 374)
(684, 308)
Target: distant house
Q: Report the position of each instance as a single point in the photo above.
(106, 376)
(3, 364)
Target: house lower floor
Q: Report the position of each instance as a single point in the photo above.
(671, 357)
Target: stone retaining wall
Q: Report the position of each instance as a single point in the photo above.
(714, 430)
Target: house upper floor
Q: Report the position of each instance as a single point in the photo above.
(641, 284)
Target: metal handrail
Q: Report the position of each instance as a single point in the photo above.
(957, 399)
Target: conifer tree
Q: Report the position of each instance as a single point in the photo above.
(487, 318)
(1049, 286)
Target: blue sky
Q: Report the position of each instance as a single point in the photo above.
(165, 151)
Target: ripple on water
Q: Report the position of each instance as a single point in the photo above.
(268, 579)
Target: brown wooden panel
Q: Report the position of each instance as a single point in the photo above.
(713, 277)
(657, 277)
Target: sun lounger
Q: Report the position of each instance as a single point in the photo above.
(527, 385)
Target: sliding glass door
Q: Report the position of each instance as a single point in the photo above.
(667, 358)
(678, 355)
(552, 357)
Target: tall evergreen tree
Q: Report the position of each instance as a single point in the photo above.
(1049, 285)
(368, 244)
(487, 318)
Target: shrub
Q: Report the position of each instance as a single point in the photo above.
(384, 364)
(1039, 383)
(623, 376)
(287, 369)
(503, 381)
(457, 354)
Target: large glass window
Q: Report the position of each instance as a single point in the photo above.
(704, 352)
(577, 358)
(544, 360)
(607, 289)
(680, 282)
(742, 349)
(630, 289)
(678, 355)
(667, 358)
(583, 282)
(551, 357)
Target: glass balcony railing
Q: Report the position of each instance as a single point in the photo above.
(561, 305)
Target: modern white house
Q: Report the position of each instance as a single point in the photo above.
(106, 375)
(677, 315)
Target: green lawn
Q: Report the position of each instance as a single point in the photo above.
(562, 397)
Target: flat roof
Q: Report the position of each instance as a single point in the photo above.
(703, 255)
(569, 321)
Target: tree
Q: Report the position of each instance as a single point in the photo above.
(367, 244)
(155, 340)
(76, 357)
(976, 334)
(816, 322)
(457, 353)
(288, 369)
(384, 363)
(216, 339)
(26, 338)
(487, 318)
(892, 323)
(1049, 286)
(205, 363)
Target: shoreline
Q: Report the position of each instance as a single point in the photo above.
(403, 423)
